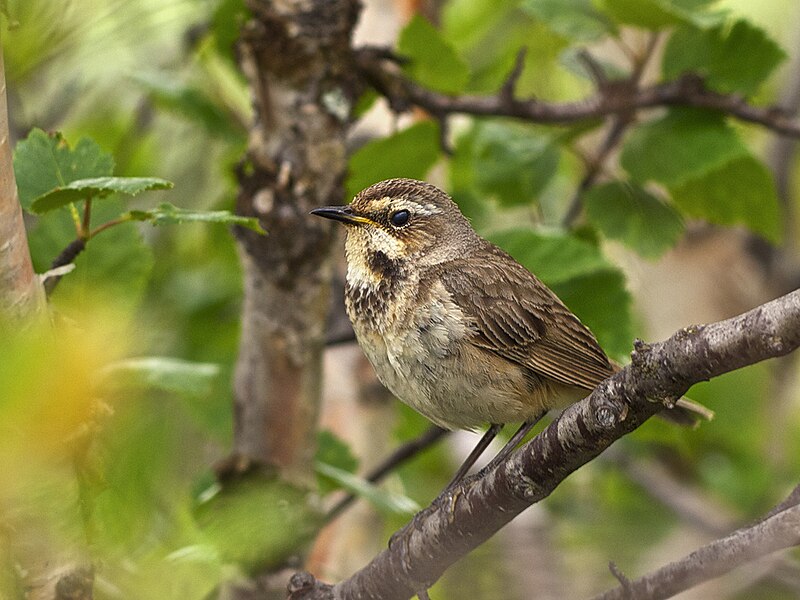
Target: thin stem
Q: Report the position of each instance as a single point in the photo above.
(76, 246)
(615, 133)
(87, 218)
(76, 219)
(118, 221)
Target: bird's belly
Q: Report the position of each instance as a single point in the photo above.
(431, 365)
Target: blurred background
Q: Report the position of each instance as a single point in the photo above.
(158, 86)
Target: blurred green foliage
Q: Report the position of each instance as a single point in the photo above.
(148, 321)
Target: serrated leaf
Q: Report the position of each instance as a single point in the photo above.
(552, 257)
(333, 451)
(573, 19)
(162, 373)
(44, 162)
(168, 214)
(741, 192)
(432, 61)
(732, 59)
(96, 187)
(628, 213)
(658, 14)
(387, 502)
(682, 146)
(511, 162)
(408, 153)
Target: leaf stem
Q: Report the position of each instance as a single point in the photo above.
(76, 218)
(87, 216)
(118, 221)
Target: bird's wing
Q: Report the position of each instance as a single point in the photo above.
(517, 317)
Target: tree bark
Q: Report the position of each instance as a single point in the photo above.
(296, 56)
(21, 293)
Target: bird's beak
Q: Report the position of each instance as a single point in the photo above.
(344, 214)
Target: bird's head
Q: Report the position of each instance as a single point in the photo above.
(401, 221)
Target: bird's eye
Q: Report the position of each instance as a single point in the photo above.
(400, 217)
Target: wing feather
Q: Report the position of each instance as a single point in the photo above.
(515, 316)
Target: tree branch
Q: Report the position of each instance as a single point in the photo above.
(478, 507)
(688, 90)
(776, 532)
(615, 132)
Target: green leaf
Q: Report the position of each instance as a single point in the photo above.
(732, 59)
(432, 61)
(45, 162)
(257, 522)
(163, 373)
(115, 263)
(331, 450)
(741, 192)
(603, 304)
(192, 103)
(385, 501)
(96, 187)
(408, 153)
(490, 35)
(683, 145)
(630, 214)
(511, 162)
(658, 14)
(573, 19)
(167, 214)
(552, 257)
(226, 24)
(584, 280)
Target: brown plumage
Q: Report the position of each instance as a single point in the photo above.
(454, 326)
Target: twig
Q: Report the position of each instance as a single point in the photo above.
(76, 246)
(510, 85)
(700, 511)
(404, 453)
(717, 558)
(624, 582)
(594, 68)
(688, 90)
(66, 257)
(618, 127)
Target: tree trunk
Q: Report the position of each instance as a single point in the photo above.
(296, 56)
(21, 293)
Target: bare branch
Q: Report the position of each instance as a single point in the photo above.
(688, 90)
(480, 505)
(717, 558)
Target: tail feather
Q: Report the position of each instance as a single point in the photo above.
(687, 412)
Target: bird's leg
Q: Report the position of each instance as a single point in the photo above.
(479, 449)
(524, 429)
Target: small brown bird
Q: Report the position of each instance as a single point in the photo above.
(455, 327)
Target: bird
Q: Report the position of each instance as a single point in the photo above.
(454, 326)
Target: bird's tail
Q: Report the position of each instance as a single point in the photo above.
(687, 412)
(682, 411)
